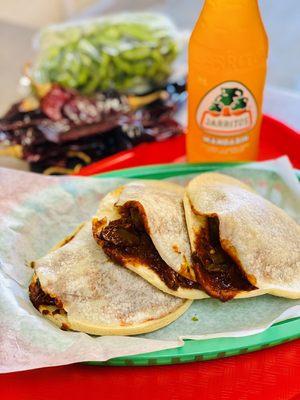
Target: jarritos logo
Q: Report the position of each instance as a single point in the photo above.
(227, 110)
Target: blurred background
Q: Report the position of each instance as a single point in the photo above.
(20, 19)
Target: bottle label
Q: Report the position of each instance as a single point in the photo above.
(227, 111)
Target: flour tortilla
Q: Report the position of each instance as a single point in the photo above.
(162, 207)
(261, 237)
(99, 297)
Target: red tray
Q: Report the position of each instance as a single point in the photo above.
(276, 140)
(271, 374)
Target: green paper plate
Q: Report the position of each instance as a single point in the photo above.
(200, 350)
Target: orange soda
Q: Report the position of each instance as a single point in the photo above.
(228, 52)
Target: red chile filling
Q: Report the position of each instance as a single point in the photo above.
(126, 240)
(215, 270)
(39, 298)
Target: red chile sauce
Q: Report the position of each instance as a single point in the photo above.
(219, 275)
(127, 240)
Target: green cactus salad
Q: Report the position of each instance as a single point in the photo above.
(131, 52)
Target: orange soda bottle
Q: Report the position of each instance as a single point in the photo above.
(228, 52)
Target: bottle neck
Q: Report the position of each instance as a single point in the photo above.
(247, 8)
(235, 22)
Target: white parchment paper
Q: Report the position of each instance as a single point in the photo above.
(37, 211)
